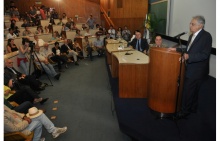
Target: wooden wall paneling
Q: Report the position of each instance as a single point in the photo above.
(83, 8)
(105, 4)
(119, 3)
(135, 82)
(132, 23)
(130, 9)
(132, 13)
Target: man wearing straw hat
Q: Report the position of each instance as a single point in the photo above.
(33, 121)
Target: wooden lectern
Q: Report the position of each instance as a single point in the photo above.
(164, 69)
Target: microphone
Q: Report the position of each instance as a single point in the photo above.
(183, 33)
(128, 53)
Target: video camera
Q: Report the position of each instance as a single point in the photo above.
(31, 45)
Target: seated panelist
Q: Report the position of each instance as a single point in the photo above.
(158, 42)
(139, 43)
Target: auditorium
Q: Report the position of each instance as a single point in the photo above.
(109, 70)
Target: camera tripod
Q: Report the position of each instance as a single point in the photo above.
(31, 61)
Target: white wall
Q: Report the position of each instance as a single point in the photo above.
(182, 11)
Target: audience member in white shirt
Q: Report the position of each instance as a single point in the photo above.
(11, 34)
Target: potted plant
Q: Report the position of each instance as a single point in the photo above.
(151, 23)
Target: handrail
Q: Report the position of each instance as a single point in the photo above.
(108, 20)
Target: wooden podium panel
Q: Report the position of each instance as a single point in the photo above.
(113, 47)
(132, 71)
(164, 68)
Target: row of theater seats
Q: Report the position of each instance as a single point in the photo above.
(47, 36)
(43, 23)
(19, 23)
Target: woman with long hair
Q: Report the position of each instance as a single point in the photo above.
(22, 56)
(11, 47)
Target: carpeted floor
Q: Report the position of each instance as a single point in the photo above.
(137, 121)
(84, 104)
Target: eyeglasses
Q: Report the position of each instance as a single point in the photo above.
(10, 62)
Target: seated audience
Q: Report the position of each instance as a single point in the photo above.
(119, 33)
(16, 31)
(126, 34)
(66, 50)
(100, 32)
(11, 34)
(39, 30)
(78, 34)
(73, 27)
(42, 13)
(70, 44)
(43, 62)
(16, 12)
(98, 43)
(25, 23)
(46, 30)
(69, 23)
(88, 46)
(60, 22)
(65, 28)
(57, 33)
(58, 56)
(32, 14)
(38, 22)
(64, 16)
(33, 121)
(55, 55)
(78, 49)
(97, 26)
(21, 108)
(13, 24)
(87, 33)
(38, 41)
(63, 35)
(52, 22)
(84, 27)
(22, 95)
(106, 38)
(50, 28)
(13, 17)
(55, 37)
(22, 79)
(27, 31)
(112, 32)
(11, 47)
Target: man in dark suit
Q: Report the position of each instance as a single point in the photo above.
(22, 78)
(196, 56)
(139, 43)
(66, 50)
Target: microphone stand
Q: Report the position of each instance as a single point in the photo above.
(179, 76)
